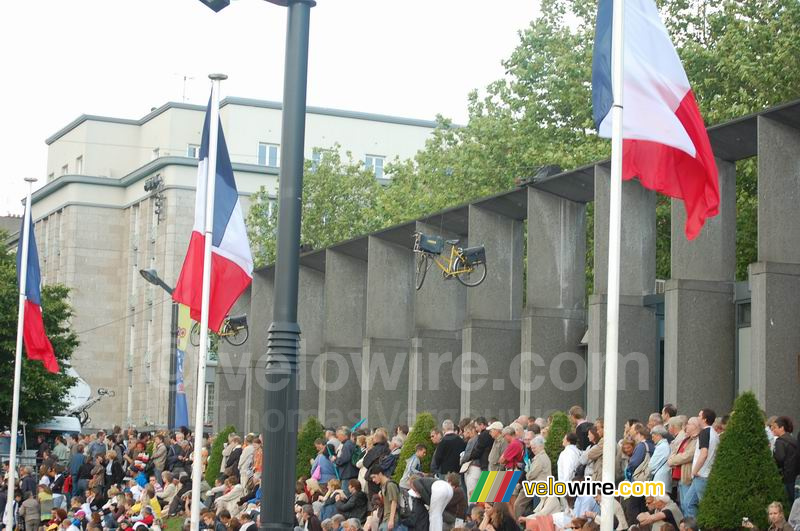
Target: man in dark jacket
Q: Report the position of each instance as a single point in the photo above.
(356, 505)
(447, 456)
(578, 418)
(479, 456)
(342, 459)
(379, 450)
(786, 454)
(310, 520)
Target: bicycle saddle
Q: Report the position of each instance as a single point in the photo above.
(453, 242)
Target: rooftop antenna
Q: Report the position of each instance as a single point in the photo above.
(186, 78)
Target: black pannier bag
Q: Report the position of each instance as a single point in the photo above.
(238, 321)
(431, 244)
(475, 255)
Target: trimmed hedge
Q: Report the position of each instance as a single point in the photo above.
(310, 432)
(559, 427)
(744, 478)
(215, 455)
(420, 434)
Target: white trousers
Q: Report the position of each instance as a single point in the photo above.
(471, 478)
(441, 494)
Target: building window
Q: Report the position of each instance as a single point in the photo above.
(156, 153)
(211, 401)
(193, 151)
(268, 155)
(79, 165)
(65, 169)
(375, 163)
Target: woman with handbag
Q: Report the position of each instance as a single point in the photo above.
(322, 468)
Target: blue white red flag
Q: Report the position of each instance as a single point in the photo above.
(665, 144)
(37, 345)
(231, 261)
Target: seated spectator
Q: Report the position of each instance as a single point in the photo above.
(662, 511)
(354, 506)
(498, 518)
(777, 522)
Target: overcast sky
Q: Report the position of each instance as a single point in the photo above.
(64, 58)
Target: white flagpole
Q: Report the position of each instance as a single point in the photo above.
(23, 278)
(614, 232)
(200, 395)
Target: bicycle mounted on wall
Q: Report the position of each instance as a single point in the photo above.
(467, 265)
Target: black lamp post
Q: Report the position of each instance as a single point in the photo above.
(281, 396)
(151, 276)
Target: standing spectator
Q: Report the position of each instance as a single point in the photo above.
(593, 456)
(786, 455)
(513, 454)
(41, 448)
(342, 460)
(539, 469)
(61, 452)
(159, 457)
(569, 458)
(637, 469)
(29, 511)
(98, 447)
(436, 494)
(479, 457)
(498, 447)
(114, 472)
(447, 456)
(380, 448)
(245, 465)
(667, 412)
(413, 466)
(322, 462)
(391, 498)
(75, 463)
(682, 456)
(659, 470)
(578, 418)
(703, 460)
(232, 464)
(389, 462)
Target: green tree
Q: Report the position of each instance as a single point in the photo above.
(306, 452)
(744, 478)
(420, 434)
(42, 394)
(339, 202)
(559, 427)
(215, 455)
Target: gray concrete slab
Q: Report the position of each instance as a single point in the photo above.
(441, 303)
(384, 382)
(434, 374)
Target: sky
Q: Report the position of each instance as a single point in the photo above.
(64, 58)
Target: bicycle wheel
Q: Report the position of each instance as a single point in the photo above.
(238, 336)
(422, 268)
(470, 278)
(194, 335)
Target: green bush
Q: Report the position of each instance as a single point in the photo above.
(215, 455)
(559, 426)
(310, 432)
(744, 478)
(420, 434)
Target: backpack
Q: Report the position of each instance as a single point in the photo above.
(357, 455)
(403, 503)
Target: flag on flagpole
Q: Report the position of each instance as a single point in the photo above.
(665, 141)
(37, 345)
(231, 261)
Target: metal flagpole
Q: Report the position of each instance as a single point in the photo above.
(614, 233)
(23, 278)
(208, 234)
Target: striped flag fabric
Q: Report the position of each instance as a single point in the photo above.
(37, 345)
(495, 486)
(231, 260)
(665, 144)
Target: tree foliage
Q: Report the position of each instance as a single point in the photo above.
(42, 394)
(310, 432)
(740, 56)
(744, 478)
(419, 434)
(559, 427)
(215, 456)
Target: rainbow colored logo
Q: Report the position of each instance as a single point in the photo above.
(495, 487)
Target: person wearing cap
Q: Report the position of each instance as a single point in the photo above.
(498, 447)
(659, 470)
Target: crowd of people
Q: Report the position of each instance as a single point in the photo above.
(129, 479)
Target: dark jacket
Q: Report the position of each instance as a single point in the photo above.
(457, 507)
(26, 485)
(347, 470)
(419, 519)
(448, 454)
(582, 431)
(314, 524)
(117, 474)
(786, 457)
(354, 507)
(373, 456)
(423, 486)
(482, 449)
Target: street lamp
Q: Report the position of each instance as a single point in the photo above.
(151, 276)
(281, 396)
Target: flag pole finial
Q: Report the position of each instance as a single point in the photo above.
(31, 180)
(217, 77)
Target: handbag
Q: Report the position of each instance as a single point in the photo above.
(317, 473)
(465, 467)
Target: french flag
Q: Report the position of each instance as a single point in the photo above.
(231, 261)
(37, 345)
(665, 144)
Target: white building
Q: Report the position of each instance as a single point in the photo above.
(97, 226)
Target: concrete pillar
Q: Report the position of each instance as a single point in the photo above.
(389, 325)
(775, 278)
(310, 316)
(700, 327)
(491, 335)
(344, 314)
(439, 310)
(638, 336)
(231, 375)
(553, 365)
